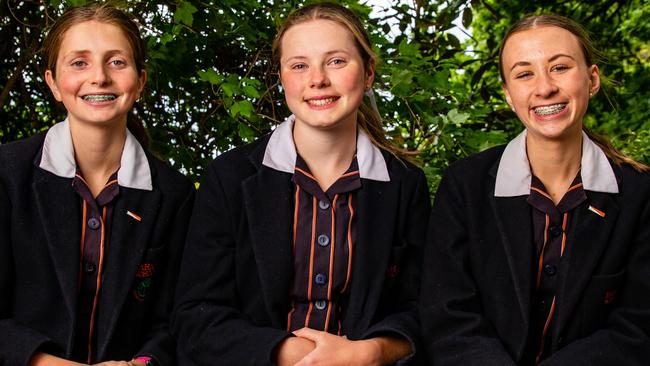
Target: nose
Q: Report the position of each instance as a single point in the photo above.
(318, 77)
(545, 85)
(100, 76)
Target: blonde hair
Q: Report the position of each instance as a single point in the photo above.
(592, 56)
(369, 119)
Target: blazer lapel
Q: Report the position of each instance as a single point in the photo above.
(585, 246)
(123, 254)
(376, 209)
(58, 208)
(513, 219)
(267, 199)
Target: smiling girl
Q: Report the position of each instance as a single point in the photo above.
(91, 225)
(304, 245)
(540, 250)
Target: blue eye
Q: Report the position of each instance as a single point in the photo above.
(78, 64)
(118, 63)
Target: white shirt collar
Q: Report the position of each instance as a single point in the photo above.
(58, 158)
(280, 153)
(514, 175)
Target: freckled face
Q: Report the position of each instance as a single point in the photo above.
(323, 74)
(547, 81)
(96, 76)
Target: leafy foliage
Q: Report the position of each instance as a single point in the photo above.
(212, 86)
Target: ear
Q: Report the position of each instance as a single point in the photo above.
(49, 79)
(142, 80)
(504, 87)
(594, 80)
(370, 74)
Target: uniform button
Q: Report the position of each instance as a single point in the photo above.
(541, 305)
(93, 223)
(555, 230)
(323, 205)
(323, 240)
(90, 268)
(320, 279)
(320, 304)
(550, 270)
(560, 340)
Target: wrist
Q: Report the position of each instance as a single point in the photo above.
(371, 351)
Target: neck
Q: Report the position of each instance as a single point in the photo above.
(555, 163)
(97, 152)
(328, 153)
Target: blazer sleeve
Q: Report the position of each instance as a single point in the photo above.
(626, 338)
(17, 342)
(403, 321)
(160, 343)
(455, 332)
(207, 323)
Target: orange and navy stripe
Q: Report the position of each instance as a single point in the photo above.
(551, 223)
(95, 234)
(322, 244)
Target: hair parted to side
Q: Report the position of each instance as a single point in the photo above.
(592, 56)
(103, 13)
(369, 119)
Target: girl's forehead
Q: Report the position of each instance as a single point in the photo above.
(315, 35)
(94, 35)
(546, 41)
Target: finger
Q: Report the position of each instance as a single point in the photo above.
(308, 333)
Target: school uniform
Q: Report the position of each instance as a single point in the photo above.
(43, 267)
(493, 295)
(239, 294)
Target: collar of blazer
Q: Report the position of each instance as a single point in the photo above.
(58, 158)
(514, 175)
(280, 153)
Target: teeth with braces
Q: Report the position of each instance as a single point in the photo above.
(99, 98)
(321, 102)
(550, 109)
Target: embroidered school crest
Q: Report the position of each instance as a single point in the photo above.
(143, 281)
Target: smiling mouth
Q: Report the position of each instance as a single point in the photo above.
(322, 101)
(96, 98)
(548, 110)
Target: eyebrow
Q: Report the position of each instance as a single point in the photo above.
(553, 58)
(75, 53)
(300, 57)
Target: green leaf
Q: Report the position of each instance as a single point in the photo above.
(243, 107)
(456, 117)
(467, 17)
(166, 38)
(210, 76)
(245, 132)
(251, 92)
(183, 14)
(229, 89)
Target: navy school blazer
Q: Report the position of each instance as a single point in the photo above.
(233, 291)
(478, 274)
(40, 237)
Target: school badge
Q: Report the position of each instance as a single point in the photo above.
(143, 278)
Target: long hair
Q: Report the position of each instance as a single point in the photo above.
(102, 13)
(592, 56)
(368, 119)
